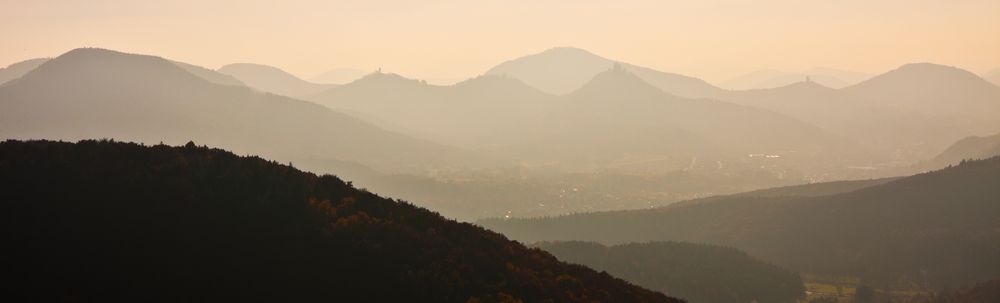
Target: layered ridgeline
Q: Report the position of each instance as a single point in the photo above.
(902, 116)
(693, 272)
(616, 121)
(905, 115)
(17, 70)
(272, 79)
(563, 70)
(933, 229)
(770, 78)
(96, 93)
(96, 221)
(474, 113)
(969, 148)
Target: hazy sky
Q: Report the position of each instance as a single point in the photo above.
(449, 39)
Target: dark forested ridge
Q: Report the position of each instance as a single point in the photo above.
(100, 220)
(987, 292)
(932, 230)
(695, 272)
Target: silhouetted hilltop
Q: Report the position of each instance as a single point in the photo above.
(95, 93)
(98, 221)
(17, 70)
(932, 230)
(272, 79)
(562, 70)
(694, 272)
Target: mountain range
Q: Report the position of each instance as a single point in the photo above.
(96, 93)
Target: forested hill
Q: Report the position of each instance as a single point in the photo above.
(695, 272)
(99, 221)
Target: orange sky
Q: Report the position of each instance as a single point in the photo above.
(450, 39)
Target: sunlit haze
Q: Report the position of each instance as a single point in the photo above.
(447, 40)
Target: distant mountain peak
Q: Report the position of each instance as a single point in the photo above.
(930, 71)
(97, 65)
(16, 70)
(272, 79)
(619, 81)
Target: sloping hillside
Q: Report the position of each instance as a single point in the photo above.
(99, 221)
(694, 272)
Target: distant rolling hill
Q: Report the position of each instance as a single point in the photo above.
(770, 78)
(471, 113)
(21, 68)
(694, 272)
(273, 80)
(100, 221)
(563, 70)
(615, 121)
(934, 229)
(937, 90)
(619, 120)
(906, 115)
(899, 117)
(969, 148)
(17, 70)
(209, 75)
(96, 93)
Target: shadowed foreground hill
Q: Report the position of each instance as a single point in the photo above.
(987, 292)
(934, 229)
(695, 272)
(98, 221)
